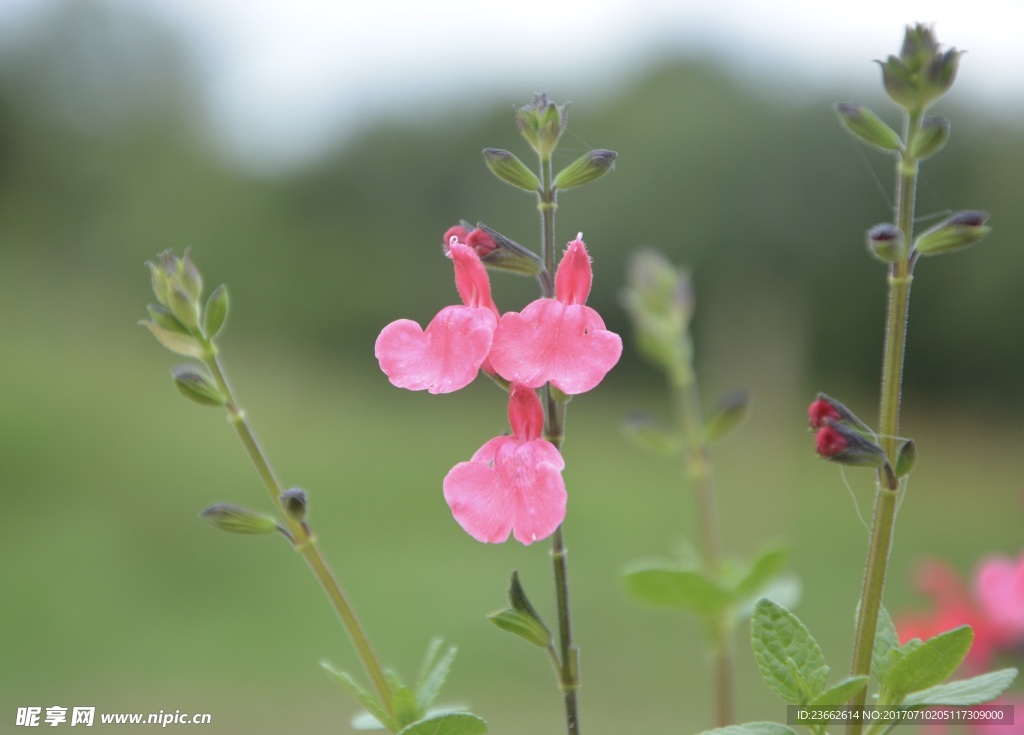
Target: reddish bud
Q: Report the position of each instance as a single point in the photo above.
(481, 242)
(458, 232)
(819, 410)
(829, 442)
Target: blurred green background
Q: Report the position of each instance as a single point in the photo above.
(116, 595)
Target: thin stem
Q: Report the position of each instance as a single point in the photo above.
(880, 544)
(304, 541)
(697, 466)
(554, 418)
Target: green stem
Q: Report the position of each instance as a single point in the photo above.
(304, 541)
(567, 663)
(698, 467)
(880, 543)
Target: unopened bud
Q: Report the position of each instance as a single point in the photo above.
(196, 385)
(189, 276)
(589, 167)
(162, 317)
(960, 231)
(885, 243)
(542, 123)
(866, 125)
(459, 232)
(294, 502)
(174, 339)
(930, 139)
(158, 275)
(825, 409)
(216, 312)
(184, 307)
(906, 458)
(233, 519)
(922, 73)
(506, 254)
(510, 169)
(842, 444)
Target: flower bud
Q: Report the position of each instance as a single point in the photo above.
(216, 312)
(922, 72)
(906, 458)
(825, 409)
(839, 443)
(196, 385)
(866, 125)
(589, 167)
(294, 502)
(510, 169)
(459, 232)
(233, 519)
(158, 275)
(176, 341)
(499, 252)
(885, 243)
(930, 139)
(960, 231)
(189, 276)
(542, 123)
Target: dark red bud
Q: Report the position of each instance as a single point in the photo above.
(830, 442)
(481, 242)
(820, 410)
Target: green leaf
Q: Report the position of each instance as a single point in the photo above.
(886, 640)
(728, 415)
(365, 698)
(679, 589)
(182, 344)
(840, 693)
(216, 312)
(589, 167)
(403, 704)
(193, 382)
(783, 645)
(524, 626)
(454, 723)
(510, 169)
(433, 674)
(930, 663)
(765, 567)
(976, 690)
(752, 728)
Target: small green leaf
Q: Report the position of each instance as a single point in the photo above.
(906, 458)
(840, 693)
(688, 590)
(195, 384)
(930, 663)
(233, 519)
(728, 415)
(403, 704)
(752, 728)
(867, 126)
(433, 674)
(453, 723)
(976, 690)
(765, 568)
(365, 698)
(886, 640)
(588, 167)
(526, 627)
(510, 169)
(781, 640)
(216, 312)
(182, 344)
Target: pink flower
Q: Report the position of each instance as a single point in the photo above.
(513, 483)
(448, 354)
(819, 410)
(829, 442)
(560, 340)
(999, 587)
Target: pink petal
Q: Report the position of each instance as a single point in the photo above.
(1000, 590)
(442, 359)
(574, 276)
(471, 279)
(520, 491)
(525, 414)
(549, 341)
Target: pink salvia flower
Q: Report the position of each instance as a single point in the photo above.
(999, 586)
(561, 340)
(448, 354)
(513, 483)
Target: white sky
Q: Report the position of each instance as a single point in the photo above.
(283, 76)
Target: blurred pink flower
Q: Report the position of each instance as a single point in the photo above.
(999, 586)
(448, 354)
(561, 340)
(513, 483)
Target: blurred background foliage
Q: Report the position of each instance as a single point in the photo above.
(116, 595)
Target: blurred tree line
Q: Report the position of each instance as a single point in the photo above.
(104, 161)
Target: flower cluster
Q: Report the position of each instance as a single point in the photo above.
(513, 483)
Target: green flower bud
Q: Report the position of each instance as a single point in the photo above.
(233, 519)
(906, 458)
(196, 385)
(216, 312)
(506, 255)
(922, 73)
(184, 307)
(295, 503)
(589, 167)
(885, 243)
(174, 340)
(158, 275)
(510, 169)
(542, 123)
(867, 126)
(163, 318)
(960, 231)
(930, 139)
(189, 276)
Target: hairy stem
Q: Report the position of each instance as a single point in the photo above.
(304, 540)
(880, 544)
